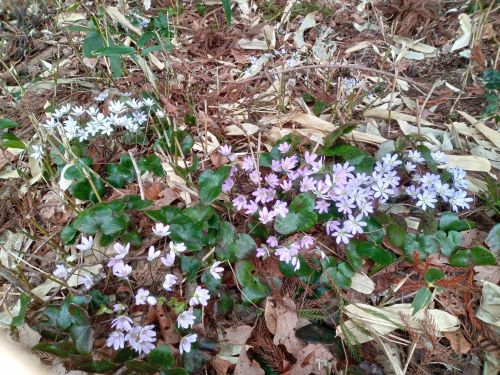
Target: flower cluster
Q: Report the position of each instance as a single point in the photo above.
(76, 122)
(142, 338)
(338, 189)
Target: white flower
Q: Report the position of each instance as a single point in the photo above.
(116, 340)
(85, 244)
(415, 156)
(50, 123)
(284, 147)
(122, 323)
(266, 216)
(200, 297)
(36, 152)
(426, 199)
(186, 341)
(122, 270)
(161, 230)
(118, 307)
(141, 296)
(61, 272)
(169, 282)
(169, 260)
(141, 338)
(177, 247)
(148, 102)
(121, 250)
(460, 199)
(225, 150)
(439, 157)
(116, 107)
(186, 319)
(102, 96)
(355, 224)
(78, 111)
(134, 104)
(152, 254)
(215, 270)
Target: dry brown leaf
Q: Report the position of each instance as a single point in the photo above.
(246, 367)
(469, 163)
(310, 360)
(238, 335)
(458, 342)
(152, 191)
(487, 273)
(489, 133)
(221, 365)
(384, 114)
(287, 320)
(270, 316)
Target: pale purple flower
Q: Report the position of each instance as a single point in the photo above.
(255, 177)
(161, 230)
(346, 205)
(266, 216)
(293, 175)
(247, 164)
(177, 247)
(410, 167)
(307, 184)
(428, 180)
(168, 260)
(186, 341)
(332, 226)
(412, 191)
(215, 270)
(122, 323)
(85, 244)
(286, 185)
(381, 190)
(365, 207)
(276, 166)
(444, 191)
(272, 241)
(122, 270)
(392, 179)
(120, 250)
(169, 281)
(239, 202)
(227, 185)
(225, 150)
(272, 180)
(296, 263)
(341, 173)
(342, 235)
(426, 199)
(285, 254)
(415, 156)
(251, 208)
(460, 200)
(141, 339)
(322, 206)
(152, 254)
(60, 272)
(200, 297)
(310, 158)
(116, 340)
(118, 307)
(306, 242)
(186, 319)
(284, 147)
(280, 208)
(289, 163)
(271, 193)
(260, 195)
(355, 224)
(262, 252)
(391, 160)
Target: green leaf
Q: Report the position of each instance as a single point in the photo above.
(210, 183)
(61, 349)
(493, 239)
(174, 371)
(141, 367)
(254, 289)
(80, 330)
(124, 355)
(482, 257)
(151, 163)
(426, 154)
(101, 217)
(422, 299)
(6, 123)
(448, 242)
(302, 202)
(161, 357)
(9, 140)
(477, 255)
(347, 152)
(396, 234)
(228, 12)
(68, 234)
(17, 320)
(450, 221)
(94, 366)
(189, 266)
(93, 42)
(114, 51)
(245, 246)
(288, 224)
(64, 317)
(341, 275)
(374, 230)
(432, 275)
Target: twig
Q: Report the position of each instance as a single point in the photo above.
(138, 173)
(333, 66)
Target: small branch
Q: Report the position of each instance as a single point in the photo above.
(138, 173)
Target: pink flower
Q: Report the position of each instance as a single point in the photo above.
(255, 177)
(239, 202)
(251, 208)
(272, 241)
(225, 150)
(272, 180)
(286, 185)
(322, 206)
(247, 164)
(284, 147)
(266, 216)
(262, 252)
(227, 185)
(260, 195)
(289, 163)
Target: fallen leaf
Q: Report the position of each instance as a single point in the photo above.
(270, 316)
(487, 273)
(312, 360)
(28, 337)
(285, 326)
(362, 283)
(489, 309)
(246, 367)
(238, 335)
(458, 342)
(466, 28)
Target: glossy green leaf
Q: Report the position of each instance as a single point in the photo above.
(6, 123)
(161, 357)
(461, 258)
(432, 275)
(80, 330)
(17, 320)
(317, 333)
(396, 234)
(101, 217)
(422, 299)
(482, 257)
(114, 51)
(254, 289)
(493, 239)
(210, 184)
(245, 246)
(450, 221)
(9, 140)
(61, 349)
